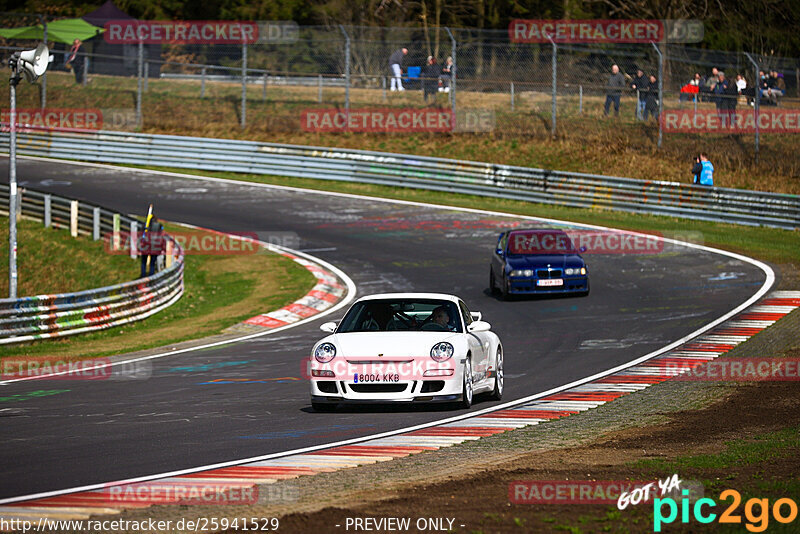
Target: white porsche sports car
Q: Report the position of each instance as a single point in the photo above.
(406, 347)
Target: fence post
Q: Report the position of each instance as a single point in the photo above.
(96, 224)
(134, 239)
(554, 62)
(580, 99)
(48, 213)
(383, 87)
(168, 254)
(757, 100)
(43, 20)
(85, 71)
(139, 69)
(115, 231)
(203, 82)
(660, 93)
(319, 88)
(453, 73)
(146, 75)
(244, 85)
(73, 218)
(264, 87)
(512, 96)
(346, 73)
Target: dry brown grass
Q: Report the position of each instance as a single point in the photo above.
(587, 142)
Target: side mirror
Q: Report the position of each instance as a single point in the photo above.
(476, 316)
(328, 327)
(479, 326)
(499, 252)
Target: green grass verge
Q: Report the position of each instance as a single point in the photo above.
(219, 292)
(768, 244)
(51, 261)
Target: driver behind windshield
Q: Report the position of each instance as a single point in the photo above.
(440, 319)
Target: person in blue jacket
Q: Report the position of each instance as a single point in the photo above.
(707, 173)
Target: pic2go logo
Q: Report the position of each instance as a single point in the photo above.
(757, 522)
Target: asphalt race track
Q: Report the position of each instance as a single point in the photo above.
(190, 412)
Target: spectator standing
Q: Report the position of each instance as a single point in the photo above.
(446, 76)
(721, 100)
(641, 86)
(707, 172)
(697, 170)
(430, 79)
(75, 60)
(614, 90)
(651, 99)
(731, 100)
(151, 245)
(396, 68)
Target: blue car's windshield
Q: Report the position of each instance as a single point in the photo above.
(525, 243)
(408, 315)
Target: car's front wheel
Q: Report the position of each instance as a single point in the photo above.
(466, 389)
(505, 292)
(497, 392)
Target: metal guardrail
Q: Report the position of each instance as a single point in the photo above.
(484, 179)
(48, 316)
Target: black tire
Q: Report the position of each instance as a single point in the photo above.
(499, 380)
(467, 392)
(492, 285)
(585, 293)
(504, 294)
(325, 407)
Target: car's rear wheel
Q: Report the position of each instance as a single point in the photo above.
(467, 389)
(492, 284)
(323, 406)
(497, 392)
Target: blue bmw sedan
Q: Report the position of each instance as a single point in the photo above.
(537, 262)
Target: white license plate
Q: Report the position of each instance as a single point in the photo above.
(550, 282)
(372, 378)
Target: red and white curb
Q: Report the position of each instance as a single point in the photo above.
(324, 295)
(695, 352)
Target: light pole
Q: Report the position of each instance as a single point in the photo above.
(31, 63)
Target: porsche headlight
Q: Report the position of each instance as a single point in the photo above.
(521, 272)
(442, 351)
(325, 352)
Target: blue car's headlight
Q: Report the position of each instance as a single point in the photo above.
(325, 352)
(521, 272)
(442, 351)
(571, 271)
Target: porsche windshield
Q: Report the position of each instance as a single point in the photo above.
(397, 315)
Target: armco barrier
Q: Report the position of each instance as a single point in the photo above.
(484, 179)
(47, 316)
